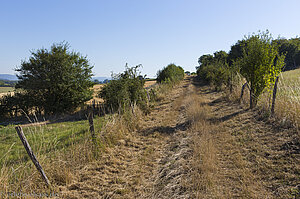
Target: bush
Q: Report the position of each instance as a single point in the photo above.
(171, 73)
(215, 75)
(125, 90)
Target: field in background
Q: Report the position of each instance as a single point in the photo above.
(5, 90)
(149, 83)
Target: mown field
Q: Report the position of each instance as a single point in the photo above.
(5, 90)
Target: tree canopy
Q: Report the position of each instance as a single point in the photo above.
(56, 80)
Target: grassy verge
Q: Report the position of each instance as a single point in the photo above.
(60, 148)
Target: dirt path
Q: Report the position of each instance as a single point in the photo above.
(195, 144)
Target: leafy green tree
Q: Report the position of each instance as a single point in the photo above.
(205, 60)
(260, 64)
(236, 51)
(221, 57)
(56, 80)
(291, 48)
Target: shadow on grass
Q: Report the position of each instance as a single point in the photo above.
(167, 129)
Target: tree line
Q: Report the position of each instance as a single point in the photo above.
(258, 58)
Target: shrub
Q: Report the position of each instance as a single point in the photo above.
(216, 75)
(125, 90)
(171, 73)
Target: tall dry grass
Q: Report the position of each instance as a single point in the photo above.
(204, 160)
(287, 106)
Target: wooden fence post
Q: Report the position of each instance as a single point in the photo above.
(274, 96)
(31, 154)
(242, 92)
(91, 122)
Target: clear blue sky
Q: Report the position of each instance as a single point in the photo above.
(153, 33)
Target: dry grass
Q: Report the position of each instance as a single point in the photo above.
(287, 106)
(149, 83)
(219, 167)
(204, 160)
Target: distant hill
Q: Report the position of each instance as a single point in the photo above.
(8, 77)
(101, 79)
(14, 77)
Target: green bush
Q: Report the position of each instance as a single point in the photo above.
(216, 75)
(171, 73)
(124, 90)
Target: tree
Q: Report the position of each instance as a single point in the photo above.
(205, 60)
(260, 64)
(221, 57)
(291, 48)
(236, 51)
(56, 80)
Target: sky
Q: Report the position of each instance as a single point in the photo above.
(153, 33)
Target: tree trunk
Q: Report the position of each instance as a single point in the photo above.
(253, 98)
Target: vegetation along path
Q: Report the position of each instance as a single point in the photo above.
(195, 144)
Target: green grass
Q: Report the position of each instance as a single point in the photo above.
(43, 139)
(6, 89)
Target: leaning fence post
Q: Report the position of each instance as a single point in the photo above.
(274, 96)
(31, 154)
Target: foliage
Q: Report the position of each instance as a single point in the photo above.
(56, 80)
(171, 73)
(291, 48)
(214, 74)
(260, 64)
(236, 51)
(125, 90)
(205, 60)
(214, 70)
